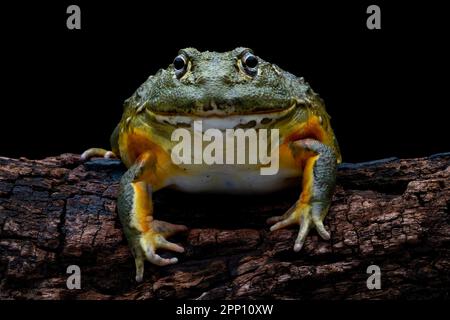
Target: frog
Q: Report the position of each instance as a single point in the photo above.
(234, 89)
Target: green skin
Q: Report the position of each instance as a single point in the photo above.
(219, 86)
(215, 77)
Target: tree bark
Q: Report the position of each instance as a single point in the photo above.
(391, 213)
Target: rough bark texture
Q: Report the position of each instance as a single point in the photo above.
(392, 213)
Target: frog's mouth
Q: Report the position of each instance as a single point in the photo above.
(222, 120)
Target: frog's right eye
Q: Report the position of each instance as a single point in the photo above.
(180, 64)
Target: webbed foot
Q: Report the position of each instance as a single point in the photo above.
(154, 239)
(319, 176)
(306, 216)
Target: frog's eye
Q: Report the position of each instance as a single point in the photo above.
(250, 63)
(180, 65)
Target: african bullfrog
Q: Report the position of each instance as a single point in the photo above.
(230, 90)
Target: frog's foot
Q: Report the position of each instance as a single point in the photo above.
(155, 239)
(319, 175)
(97, 152)
(145, 235)
(305, 215)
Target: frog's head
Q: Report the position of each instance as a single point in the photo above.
(212, 84)
(239, 88)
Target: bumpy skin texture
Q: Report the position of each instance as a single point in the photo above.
(229, 91)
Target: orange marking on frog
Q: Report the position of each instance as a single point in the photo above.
(310, 129)
(136, 144)
(308, 179)
(142, 206)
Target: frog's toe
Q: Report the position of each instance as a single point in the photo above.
(162, 243)
(110, 155)
(305, 226)
(283, 223)
(139, 261)
(306, 216)
(156, 239)
(151, 241)
(308, 219)
(156, 259)
(318, 212)
(275, 221)
(97, 152)
(149, 244)
(167, 229)
(320, 228)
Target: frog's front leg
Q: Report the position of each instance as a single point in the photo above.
(135, 206)
(99, 152)
(319, 176)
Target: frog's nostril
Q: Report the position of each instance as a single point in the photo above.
(228, 79)
(200, 80)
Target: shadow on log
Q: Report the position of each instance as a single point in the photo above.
(392, 213)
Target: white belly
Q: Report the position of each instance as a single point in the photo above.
(227, 178)
(234, 179)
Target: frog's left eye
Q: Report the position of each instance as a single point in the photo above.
(250, 63)
(180, 64)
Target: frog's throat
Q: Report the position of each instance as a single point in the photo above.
(222, 121)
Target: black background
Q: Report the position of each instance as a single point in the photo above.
(386, 90)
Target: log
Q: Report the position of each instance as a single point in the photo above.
(392, 213)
